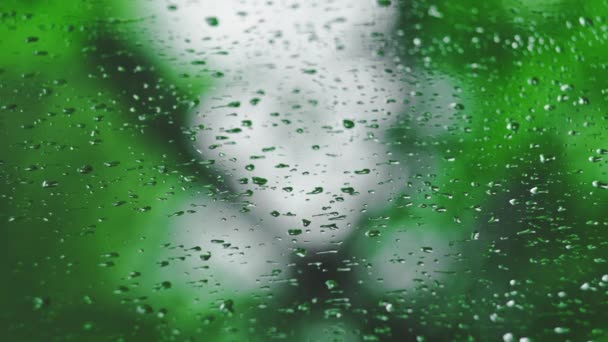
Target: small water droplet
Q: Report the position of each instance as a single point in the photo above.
(227, 306)
(362, 172)
(372, 233)
(301, 252)
(212, 21)
(315, 191)
(259, 180)
(49, 184)
(331, 284)
(205, 256)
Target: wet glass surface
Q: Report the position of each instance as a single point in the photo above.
(247, 170)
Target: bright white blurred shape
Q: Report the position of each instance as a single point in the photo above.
(314, 63)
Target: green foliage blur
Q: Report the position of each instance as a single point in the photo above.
(96, 162)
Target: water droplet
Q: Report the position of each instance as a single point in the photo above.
(331, 284)
(49, 184)
(259, 180)
(144, 309)
(315, 191)
(348, 190)
(85, 169)
(227, 306)
(212, 21)
(39, 303)
(301, 252)
(372, 233)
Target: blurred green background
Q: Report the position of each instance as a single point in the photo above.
(96, 167)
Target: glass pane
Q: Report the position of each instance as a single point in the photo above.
(246, 170)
